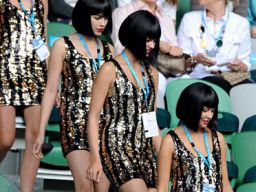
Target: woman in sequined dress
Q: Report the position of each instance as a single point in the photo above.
(194, 153)
(76, 59)
(125, 89)
(22, 77)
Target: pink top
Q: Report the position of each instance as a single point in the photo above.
(119, 14)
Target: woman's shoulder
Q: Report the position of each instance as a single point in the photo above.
(192, 15)
(238, 19)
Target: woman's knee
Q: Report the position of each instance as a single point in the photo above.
(6, 142)
(86, 186)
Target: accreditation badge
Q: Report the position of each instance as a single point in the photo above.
(40, 47)
(208, 187)
(150, 124)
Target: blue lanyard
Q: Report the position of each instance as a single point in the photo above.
(206, 161)
(221, 33)
(96, 65)
(31, 15)
(145, 90)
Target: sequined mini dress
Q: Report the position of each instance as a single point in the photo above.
(78, 75)
(22, 74)
(188, 172)
(126, 153)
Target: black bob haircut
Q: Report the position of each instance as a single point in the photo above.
(81, 16)
(191, 102)
(136, 29)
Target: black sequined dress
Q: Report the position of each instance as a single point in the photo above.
(189, 172)
(76, 88)
(22, 74)
(126, 153)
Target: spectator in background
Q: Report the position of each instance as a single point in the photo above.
(237, 6)
(218, 39)
(22, 77)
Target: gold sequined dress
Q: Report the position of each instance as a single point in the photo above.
(126, 153)
(188, 171)
(76, 88)
(22, 74)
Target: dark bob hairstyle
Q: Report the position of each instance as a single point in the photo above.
(136, 29)
(81, 17)
(191, 102)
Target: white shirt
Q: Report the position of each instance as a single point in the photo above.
(236, 39)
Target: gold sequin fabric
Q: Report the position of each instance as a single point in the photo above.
(189, 172)
(126, 153)
(76, 88)
(22, 74)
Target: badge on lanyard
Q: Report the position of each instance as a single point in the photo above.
(150, 124)
(208, 187)
(203, 43)
(38, 43)
(40, 48)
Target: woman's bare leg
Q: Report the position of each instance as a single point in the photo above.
(30, 163)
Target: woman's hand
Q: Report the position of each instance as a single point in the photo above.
(37, 147)
(175, 51)
(57, 100)
(200, 58)
(172, 50)
(253, 32)
(94, 171)
(164, 47)
(238, 66)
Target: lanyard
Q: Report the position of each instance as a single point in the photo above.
(30, 15)
(206, 161)
(218, 40)
(96, 65)
(145, 90)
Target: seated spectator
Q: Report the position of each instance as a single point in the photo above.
(219, 40)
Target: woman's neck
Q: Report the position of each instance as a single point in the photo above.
(89, 38)
(132, 59)
(216, 10)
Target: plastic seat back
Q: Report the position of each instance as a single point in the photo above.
(244, 150)
(248, 187)
(249, 124)
(243, 102)
(56, 30)
(5, 186)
